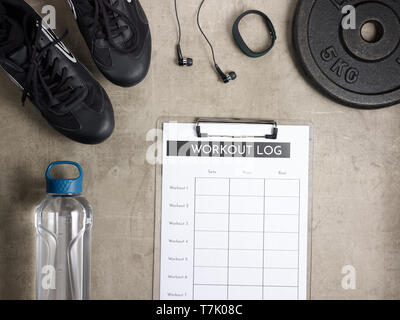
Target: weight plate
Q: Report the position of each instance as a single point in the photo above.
(343, 63)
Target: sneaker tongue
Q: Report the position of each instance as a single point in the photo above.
(11, 34)
(87, 7)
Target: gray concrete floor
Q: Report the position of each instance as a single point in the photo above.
(356, 218)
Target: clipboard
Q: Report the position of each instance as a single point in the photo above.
(238, 132)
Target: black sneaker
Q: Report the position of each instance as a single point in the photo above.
(60, 87)
(118, 36)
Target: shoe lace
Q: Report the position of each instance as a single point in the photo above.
(42, 73)
(106, 16)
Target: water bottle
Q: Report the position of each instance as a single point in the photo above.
(63, 226)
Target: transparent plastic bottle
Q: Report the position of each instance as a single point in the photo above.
(63, 226)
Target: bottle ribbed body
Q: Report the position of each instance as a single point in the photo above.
(63, 247)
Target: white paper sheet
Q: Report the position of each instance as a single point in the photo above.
(234, 216)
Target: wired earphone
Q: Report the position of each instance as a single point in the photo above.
(225, 77)
(181, 61)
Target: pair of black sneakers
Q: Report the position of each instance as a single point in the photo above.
(62, 89)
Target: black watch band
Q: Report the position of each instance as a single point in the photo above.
(239, 40)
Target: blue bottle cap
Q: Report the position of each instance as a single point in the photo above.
(64, 186)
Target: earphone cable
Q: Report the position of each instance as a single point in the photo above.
(179, 24)
(202, 32)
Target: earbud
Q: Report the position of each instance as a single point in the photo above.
(188, 62)
(225, 77)
(181, 61)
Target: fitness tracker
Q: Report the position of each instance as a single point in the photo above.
(239, 40)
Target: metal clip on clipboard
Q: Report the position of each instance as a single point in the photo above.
(205, 128)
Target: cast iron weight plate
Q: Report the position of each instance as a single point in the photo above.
(358, 73)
